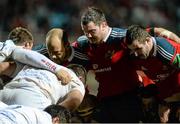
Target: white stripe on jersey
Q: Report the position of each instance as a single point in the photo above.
(164, 53)
(117, 34)
(80, 55)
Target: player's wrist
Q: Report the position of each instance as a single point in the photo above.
(57, 68)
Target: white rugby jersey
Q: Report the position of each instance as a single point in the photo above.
(40, 80)
(45, 81)
(6, 49)
(17, 114)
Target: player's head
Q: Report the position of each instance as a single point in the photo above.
(59, 114)
(22, 37)
(94, 25)
(57, 45)
(80, 71)
(139, 41)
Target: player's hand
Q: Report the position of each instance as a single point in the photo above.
(64, 76)
(178, 113)
(147, 103)
(164, 113)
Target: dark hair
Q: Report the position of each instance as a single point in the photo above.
(59, 111)
(20, 35)
(79, 70)
(65, 38)
(92, 14)
(136, 32)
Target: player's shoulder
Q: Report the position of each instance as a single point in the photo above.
(82, 41)
(163, 42)
(164, 46)
(41, 48)
(116, 29)
(118, 33)
(119, 30)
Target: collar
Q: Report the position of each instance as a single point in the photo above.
(154, 46)
(72, 54)
(109, 32)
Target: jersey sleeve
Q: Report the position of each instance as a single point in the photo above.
(35, 59)
(6, 49)
(168, 51)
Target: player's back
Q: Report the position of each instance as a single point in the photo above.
(17, 114)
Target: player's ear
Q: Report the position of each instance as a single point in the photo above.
(28, 45)
(103, 24)
(56, 120)
(148, 39)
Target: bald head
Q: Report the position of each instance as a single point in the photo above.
(55, 33)
(57, 44)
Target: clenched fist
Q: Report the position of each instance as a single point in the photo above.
(63, 75)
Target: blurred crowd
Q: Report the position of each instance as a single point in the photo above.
(41, 15)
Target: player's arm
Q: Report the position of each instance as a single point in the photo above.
(73, 100)
(7, 68)
(169, 52)
(76, 94)
(6, 49)
(158, 31)
(38, 60)
(166, 33)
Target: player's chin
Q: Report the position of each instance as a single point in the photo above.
(143, 57)
(93, 41)
(58, 61)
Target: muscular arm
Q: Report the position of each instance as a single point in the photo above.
(73, 100)
(7, 68)
(167, 34)
(75, 94)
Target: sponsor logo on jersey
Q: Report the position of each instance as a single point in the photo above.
(103, 69)
(95, 67)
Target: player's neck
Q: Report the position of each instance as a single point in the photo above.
(69, 52)
(106, 32)
(152, 47)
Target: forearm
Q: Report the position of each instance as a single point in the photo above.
(38, 60)
(166, 33)
(7, 68)
(73, 100)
